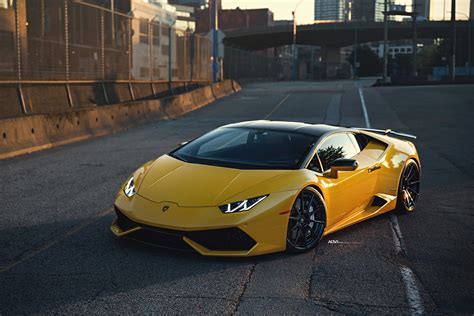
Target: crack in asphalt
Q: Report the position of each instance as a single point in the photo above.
(248, 278)
(311, 275)
(328, 304)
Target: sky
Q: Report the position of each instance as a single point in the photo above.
(305, 12)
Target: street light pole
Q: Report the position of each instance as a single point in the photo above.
(356, 44)
(469, 45)
(294, 53)
(453, 40)
(468, 40)
(385, 39)
(415, 42)
(293, 74)
(215, 44)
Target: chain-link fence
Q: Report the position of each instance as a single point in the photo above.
(67, 40)
(242, 64)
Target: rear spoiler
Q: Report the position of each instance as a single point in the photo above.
(387, 132)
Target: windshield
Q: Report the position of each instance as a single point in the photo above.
(246, 148)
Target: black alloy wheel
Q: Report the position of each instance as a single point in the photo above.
(409, 187)
(307, 221)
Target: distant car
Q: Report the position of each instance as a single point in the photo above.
(258, 187)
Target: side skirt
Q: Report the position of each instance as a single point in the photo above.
(380, 203)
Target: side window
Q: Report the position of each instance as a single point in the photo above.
(314, 164)
(335, 147)
(361, 140)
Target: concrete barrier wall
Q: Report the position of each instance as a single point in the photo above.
(29, 133)
(35, 101)
(142, 91)
(218, 90)
(9, 102)
(87, 95)
(161, 89)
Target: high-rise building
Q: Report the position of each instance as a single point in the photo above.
(471, 9)
(362, 10)
(330, 10)
(422, 7)
(190, 3)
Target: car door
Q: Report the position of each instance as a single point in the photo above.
(351, 190)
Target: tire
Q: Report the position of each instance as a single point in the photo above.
(306, 227)
(409, 188)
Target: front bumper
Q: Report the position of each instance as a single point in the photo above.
(205, 229)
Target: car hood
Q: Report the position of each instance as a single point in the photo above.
(196, 185)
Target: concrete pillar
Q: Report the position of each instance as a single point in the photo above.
(331, 61)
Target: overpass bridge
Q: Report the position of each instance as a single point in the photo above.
(337, 35)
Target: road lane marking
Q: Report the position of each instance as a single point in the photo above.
(409, 280)
(333, 110)
(397, 235)
(277, 106)
(412, 292)
(53, 242)
(364, 108)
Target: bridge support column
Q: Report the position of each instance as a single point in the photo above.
(330, 62)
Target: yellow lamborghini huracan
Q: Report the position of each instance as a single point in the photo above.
(258, 187)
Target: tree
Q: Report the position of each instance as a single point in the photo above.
(370, 63)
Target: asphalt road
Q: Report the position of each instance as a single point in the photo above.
(57, 254)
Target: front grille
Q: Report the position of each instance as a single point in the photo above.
(225, 239)
(161, 238)
(231, 239)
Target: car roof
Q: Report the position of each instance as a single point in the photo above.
(295, 127)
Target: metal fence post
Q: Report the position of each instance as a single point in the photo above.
(102, 44)
(66, 48)
(150, 43)
(129, 30)
(191, 56)
(18, 48)
(170, 72)
(102, 57)
(151, 71)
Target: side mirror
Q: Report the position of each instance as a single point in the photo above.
(182, 144)
(342, 165)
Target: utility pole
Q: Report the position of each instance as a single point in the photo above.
(356, 44)
(469, 25)
(469, 42)
(215, 44)
(453, 40)
(295, 58)
(415, 39)
(385, 39)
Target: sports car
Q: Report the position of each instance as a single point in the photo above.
(259, 187)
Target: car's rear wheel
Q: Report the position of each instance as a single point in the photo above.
(307, 221)
(409, 187)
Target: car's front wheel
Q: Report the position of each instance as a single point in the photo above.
(307, 221)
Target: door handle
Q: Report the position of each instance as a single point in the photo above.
(374, 168)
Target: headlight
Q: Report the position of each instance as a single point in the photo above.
(241, 206)
(129, 188)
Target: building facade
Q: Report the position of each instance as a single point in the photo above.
(153, 37)
(362, 10)
(331, 11)
(190, 3)
(423, 7)
(471, 9)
